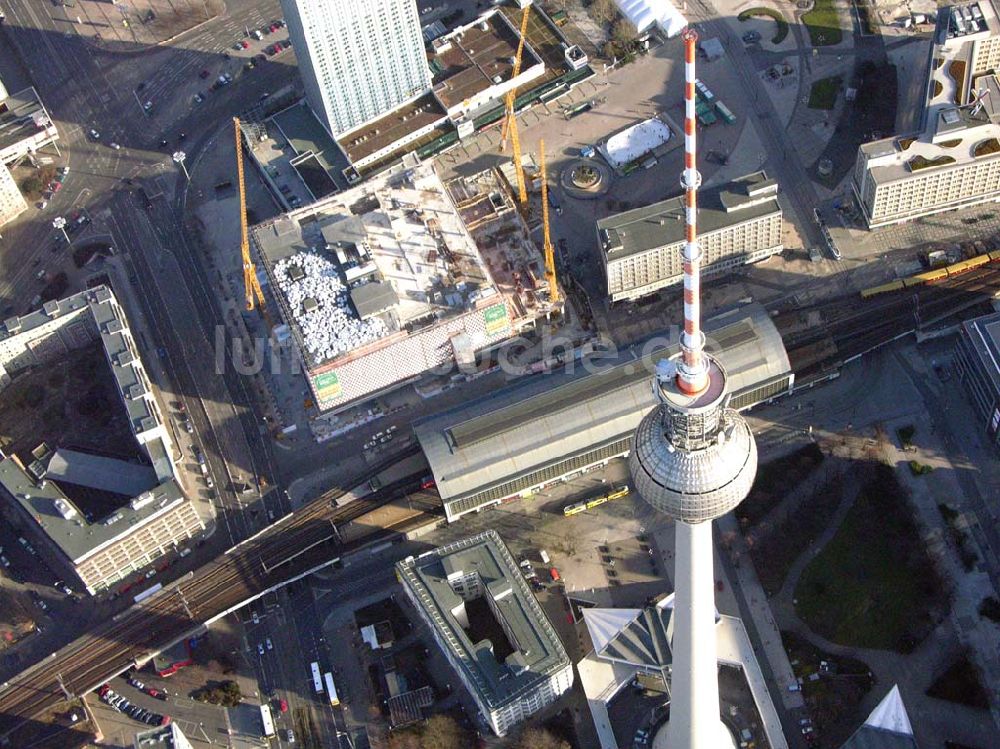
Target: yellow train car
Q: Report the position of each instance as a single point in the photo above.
(967, 265)
(883, 289)
(574, 508)
(623, 492)
(929, 277)
(994, 256)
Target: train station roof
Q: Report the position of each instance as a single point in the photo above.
(551, 416)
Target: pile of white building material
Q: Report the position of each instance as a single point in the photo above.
(634, 142)
(331, 328)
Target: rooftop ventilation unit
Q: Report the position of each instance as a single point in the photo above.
(124, 357)
(51, 308)
(141, 501)
(134, 391)
(13, 325)
(65, 509)
(113, 326)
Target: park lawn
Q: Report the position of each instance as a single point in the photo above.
(823, 24)
(823, 94)
(873, 585)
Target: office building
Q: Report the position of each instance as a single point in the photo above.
(740, 223)
(357, 60)
(977, 363)
(95, 518)
(552, 427)
(953, 160)
(483, 615)
(12, 203)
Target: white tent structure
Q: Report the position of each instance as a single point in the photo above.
(644, 14)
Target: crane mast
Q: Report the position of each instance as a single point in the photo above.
(510, 120)
(254, 294)
(550, 255)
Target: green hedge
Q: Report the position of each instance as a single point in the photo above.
(780, 33)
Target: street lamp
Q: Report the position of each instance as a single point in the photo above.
(179, 157)
(60, 223)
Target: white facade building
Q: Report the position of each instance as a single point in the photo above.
(11, 201)
(953, 162)
(357, 60)
(740, 223)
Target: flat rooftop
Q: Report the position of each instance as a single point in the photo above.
(363, 142)
(984, 335)
(557, 415)
(66, 525)
(318, 160)
(477, 57)
(661, 224)
(22, 116)
(538, 653)
(398, 233)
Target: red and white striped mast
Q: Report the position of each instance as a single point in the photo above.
(692, 370)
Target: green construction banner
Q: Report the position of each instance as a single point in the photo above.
(496, 319)
(327, 386)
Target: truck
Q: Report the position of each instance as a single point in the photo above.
(544, 556)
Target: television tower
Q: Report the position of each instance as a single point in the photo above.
(695, 459)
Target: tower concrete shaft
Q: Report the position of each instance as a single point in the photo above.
(694, 684)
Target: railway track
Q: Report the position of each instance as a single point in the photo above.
(218, 586)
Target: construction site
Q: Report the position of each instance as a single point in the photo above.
(383, 282)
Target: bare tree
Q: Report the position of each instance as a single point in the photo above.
(624, 31)
(602, 11)
(539, 738)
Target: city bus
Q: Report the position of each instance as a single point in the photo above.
(317, 682)
(265, 718)
(331, 690)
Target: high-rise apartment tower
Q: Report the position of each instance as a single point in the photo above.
(358, 58)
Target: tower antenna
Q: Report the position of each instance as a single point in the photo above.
(692, 370)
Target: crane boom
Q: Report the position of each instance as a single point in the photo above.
(254, 294)
(509, 128)
(550, 255)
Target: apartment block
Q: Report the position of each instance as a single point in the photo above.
(738, 223)
(12, 203)
(954, 160)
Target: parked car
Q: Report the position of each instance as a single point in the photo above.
(94, 134)
(260, 648)
(115, 146)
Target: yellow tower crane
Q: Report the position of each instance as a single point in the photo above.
(254, 294)
(550, 255)
(510, 121)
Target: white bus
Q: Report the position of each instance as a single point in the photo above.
(317, 681)
(331, 690)
(265, 718)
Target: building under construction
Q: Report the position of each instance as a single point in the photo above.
(383, 282)
(486, 206)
